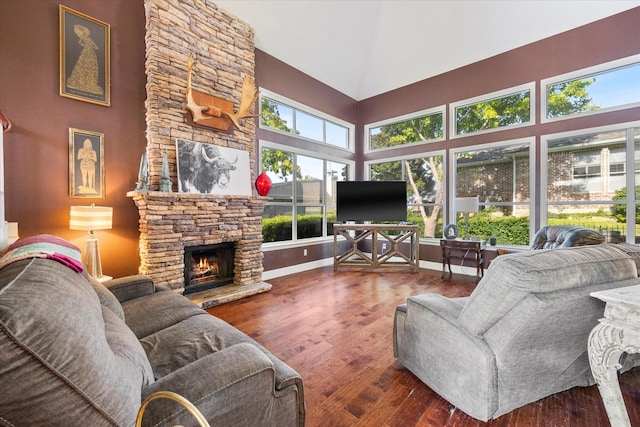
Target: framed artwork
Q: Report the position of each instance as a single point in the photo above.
(211, 169)
(84, 57)
(86, 164)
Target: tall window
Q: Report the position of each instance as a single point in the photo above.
(424, 177)
(587, 180)
(607, 87)
(501, 176)
(425, 126)
(499, 110)
(278, 113)
(302, 204)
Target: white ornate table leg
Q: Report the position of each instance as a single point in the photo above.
(605, 349)
(618, 332)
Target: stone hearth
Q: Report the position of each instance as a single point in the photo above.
(171, 221)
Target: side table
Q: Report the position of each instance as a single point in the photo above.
(463, 250)
(617, 333)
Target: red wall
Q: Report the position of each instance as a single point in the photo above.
(37, 148)
(278, 77)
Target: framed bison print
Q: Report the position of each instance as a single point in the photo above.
(211, 169)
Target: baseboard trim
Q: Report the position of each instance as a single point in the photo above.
(285, 271)
(298, 268)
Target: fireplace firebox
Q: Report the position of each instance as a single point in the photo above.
(208, 266)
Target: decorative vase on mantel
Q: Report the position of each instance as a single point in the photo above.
(165, 180)
(142, 183)
(263, 184)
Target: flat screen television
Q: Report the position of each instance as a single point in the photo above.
(371, 201)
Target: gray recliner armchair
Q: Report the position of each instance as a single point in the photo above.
(520, 336)
(565, 236)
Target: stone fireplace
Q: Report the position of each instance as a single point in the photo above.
(170, 222)
(223, 48)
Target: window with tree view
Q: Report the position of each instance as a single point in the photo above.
(424, 189)
(427, 127)
(279, 116)
(500, 176)
(493, 113)
(605, 90)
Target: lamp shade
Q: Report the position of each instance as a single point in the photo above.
(90, 218)
(467, 204)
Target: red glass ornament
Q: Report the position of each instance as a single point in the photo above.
(263, 184)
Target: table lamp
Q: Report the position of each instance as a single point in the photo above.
(467, 205)
(91, 218)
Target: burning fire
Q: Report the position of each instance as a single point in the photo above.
(205, 268)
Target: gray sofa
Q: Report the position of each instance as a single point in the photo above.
(522, 333)
(75, 352)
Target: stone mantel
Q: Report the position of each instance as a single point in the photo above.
(171, 221)
(193, 196)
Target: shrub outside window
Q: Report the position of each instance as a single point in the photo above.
(501, 176)
(302, 204)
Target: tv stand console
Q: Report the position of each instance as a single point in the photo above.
(385, 245)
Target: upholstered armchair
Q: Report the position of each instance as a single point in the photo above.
(520, 336)
(565, 236)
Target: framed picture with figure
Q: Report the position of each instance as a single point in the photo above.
(86, 164)
(84, 57)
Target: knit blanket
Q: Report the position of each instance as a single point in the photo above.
(43, 246)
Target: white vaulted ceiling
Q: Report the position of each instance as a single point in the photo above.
(363, 48)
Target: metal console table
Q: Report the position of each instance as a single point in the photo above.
(393, 234)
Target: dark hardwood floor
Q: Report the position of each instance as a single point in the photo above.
(335, 329)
